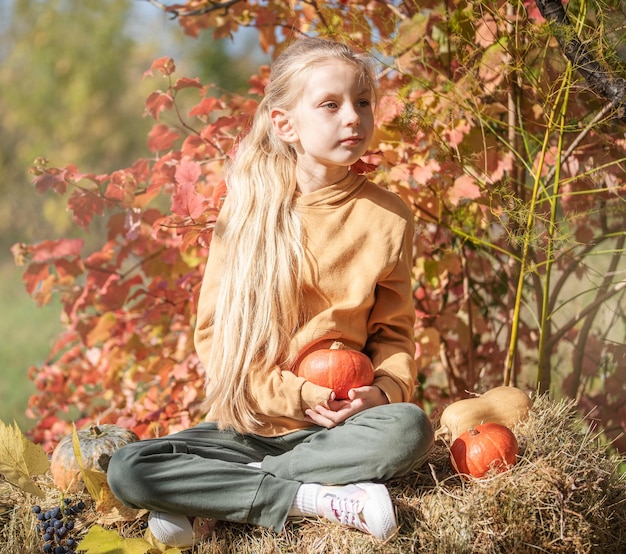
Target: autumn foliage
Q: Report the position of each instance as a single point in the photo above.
(483, 129)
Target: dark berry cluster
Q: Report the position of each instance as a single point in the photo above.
(56, 526)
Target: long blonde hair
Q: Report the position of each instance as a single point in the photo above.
(258, 303)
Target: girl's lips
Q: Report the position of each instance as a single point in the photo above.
(351, 140)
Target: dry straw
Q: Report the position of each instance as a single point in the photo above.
(565, 495)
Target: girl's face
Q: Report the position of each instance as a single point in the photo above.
(332, 123)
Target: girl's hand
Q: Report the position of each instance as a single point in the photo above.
(359, 399)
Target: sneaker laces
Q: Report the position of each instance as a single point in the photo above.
(363, 506)
(347, 510)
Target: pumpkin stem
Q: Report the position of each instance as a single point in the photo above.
(473, 431)
(95, 430)
(337, 345)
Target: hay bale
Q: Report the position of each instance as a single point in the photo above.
(565, 495)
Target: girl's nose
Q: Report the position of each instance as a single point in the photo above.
(352, 116)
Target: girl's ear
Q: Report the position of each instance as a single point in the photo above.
(282, 125)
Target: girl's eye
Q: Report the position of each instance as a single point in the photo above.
(330, 105)
(363, 103)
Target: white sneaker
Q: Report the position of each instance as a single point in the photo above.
(179, 530)
(171, 529)
(364, 506)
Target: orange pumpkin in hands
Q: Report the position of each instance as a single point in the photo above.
(482, 448)
(337, 368)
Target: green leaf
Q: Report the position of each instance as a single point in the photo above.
(20, 459)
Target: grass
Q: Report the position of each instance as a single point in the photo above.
(565, 495)
(27, 331)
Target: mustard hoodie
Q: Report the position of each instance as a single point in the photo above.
(357, 288)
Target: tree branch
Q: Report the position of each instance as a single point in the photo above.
(600, 299)
(570, 150)
(581, 342)
(576, 261)
(599, 79)
(210, 7)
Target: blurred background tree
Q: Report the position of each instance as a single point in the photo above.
(66, 74)
(71, 90)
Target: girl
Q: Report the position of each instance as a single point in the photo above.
(305, 251)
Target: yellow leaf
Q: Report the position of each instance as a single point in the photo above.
(101, 331)
(112, 511)
(20, 459)
(102, 541)
(94, 480)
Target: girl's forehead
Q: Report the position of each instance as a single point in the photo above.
(333, 65)
(329, 71)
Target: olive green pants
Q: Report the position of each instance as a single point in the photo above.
(203, 471)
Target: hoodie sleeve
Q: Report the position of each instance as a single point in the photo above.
(391, 344)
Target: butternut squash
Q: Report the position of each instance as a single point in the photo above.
(504, 405)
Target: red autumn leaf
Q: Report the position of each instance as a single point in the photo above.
(51, 250)
(258, 82)
(188, 172)
(361, 166)
(189, 238)
(456, 135)
(157, 102)
(141, 169)
(186, 201)
(101, 257)
(97, 179)
(114, 192)
(163, 171)
(84, 205)
(69, 268)
(161, 137)
(389, 107)
(533, 12)
(186, 82)
(486, 31)
(165, 65)
(114, 292)
(55, 179)
(195, 147)
(188, 396)
(34, 275)
(48, 181)
(464, 187)
(205, 107)
(424, 173)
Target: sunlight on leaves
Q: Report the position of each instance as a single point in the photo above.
(20, 459)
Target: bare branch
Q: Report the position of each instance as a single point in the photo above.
(210, 7)
(599, 300)
(599, 78)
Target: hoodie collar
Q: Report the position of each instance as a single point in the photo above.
(331, 195)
